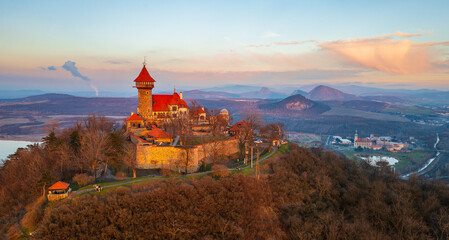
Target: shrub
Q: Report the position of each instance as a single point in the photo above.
(165, 172)
(122, 191)
(219, 170)
(83, 179)
(14, 232)
(34, 213)
(120, 176)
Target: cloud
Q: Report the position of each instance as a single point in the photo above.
(51, 68)
(70, 67)
(283, 43)
(271, 35)
(387, 55)
(407, 35)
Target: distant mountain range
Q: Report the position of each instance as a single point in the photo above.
(335, 109)
(316, 93)
(262, 93)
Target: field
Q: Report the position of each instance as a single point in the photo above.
(405, 159)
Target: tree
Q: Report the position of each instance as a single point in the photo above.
(272, 131)
(115, 150)
(46, 179)
(130, 156)
(94, 141)
(217, 124)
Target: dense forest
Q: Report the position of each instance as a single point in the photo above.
(305, 194)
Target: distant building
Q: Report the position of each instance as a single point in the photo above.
(362, 142)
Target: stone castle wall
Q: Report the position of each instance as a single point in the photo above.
(178, 158)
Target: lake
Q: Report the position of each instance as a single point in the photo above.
(8, 147)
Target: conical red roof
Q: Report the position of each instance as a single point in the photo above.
(144, 76)
(134, 117)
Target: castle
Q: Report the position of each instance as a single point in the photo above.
(158, 149)
(154, 108)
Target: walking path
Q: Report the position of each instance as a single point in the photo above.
(75, 193)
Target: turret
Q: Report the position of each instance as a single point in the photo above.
(144, 84)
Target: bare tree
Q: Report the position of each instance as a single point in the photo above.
(216, 122)
(272, 131)
(130, 155)
(94, 141)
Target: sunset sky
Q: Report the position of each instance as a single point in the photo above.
(81, 45)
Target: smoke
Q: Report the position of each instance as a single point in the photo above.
(70, 66)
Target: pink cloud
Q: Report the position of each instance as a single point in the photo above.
(387, 55)
(408, 35)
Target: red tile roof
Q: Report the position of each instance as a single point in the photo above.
(199, 111)
(158, 133)
(161, 102)
(134, 117)
(363, 140)
(144, 76)
(59, 185)
(237, 126)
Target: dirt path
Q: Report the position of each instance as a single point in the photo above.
(76, 193)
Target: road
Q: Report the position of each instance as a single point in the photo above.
(75, 193)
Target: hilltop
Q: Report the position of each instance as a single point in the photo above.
(296, 104)
(323, 93)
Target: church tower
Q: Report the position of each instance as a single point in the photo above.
(144, 84)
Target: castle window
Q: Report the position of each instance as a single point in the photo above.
(147, 92)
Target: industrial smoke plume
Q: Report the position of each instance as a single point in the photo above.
(70, 66)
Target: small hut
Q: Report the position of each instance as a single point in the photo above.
(59, 190)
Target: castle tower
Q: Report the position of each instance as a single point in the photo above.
(144, 84)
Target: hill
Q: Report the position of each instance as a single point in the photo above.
(296, 104)
(324, 93)
(298, 91)
(305, 194)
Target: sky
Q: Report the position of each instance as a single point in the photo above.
(100, 45)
